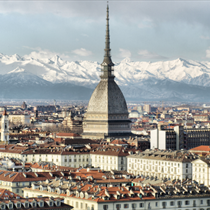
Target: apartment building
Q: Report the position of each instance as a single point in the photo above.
(161, 164)
(177, 196)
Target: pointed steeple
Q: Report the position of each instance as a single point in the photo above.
(107, 64)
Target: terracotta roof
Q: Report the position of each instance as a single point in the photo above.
(67, 134)
(201, 148)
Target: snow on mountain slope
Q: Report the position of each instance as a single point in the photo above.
(183, 79)
(58, 71)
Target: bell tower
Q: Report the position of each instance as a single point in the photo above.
(5, 126)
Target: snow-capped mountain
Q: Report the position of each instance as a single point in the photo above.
(164, 80)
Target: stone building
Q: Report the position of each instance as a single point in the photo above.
(107, 113)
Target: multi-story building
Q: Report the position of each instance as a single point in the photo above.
(41, 203)
(16, 181)
(147, 108)
(195, 137)
(105, 156)
(161, 164)
(23, 119)
(49, 108)
(179, 138)
(201, 170)
(110, 157)
(167, 138)
(177, 196)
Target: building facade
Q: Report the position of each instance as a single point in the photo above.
(5, 127)
(161, 164)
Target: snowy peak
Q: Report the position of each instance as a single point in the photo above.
(147, 80)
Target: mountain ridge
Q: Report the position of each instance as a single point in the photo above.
(179, 78)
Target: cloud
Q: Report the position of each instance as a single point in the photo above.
(145, 54)
(157, 11)
(41, 54)
(124, 53)
(205, 37)
(82, 52)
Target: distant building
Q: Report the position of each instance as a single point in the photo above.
(24, 105)
(167, 138)
(179, 138)
(49, 108)
(23, 119)
(5, 127)
(147, 108)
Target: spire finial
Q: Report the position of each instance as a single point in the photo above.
(107, 57)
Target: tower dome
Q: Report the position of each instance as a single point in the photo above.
(107, 113)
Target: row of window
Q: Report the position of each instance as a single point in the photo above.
(164, 204)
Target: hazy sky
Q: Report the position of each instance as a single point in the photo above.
(75, 30)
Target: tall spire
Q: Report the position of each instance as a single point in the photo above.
(107, 62)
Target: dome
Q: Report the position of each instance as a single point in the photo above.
(107, 98)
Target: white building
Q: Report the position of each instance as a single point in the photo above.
(161, 164)
(167, 138)
(201, 171)
(5, 127)
(95, 197)
(104, 156)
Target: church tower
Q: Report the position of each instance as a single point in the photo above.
(107, 113)
(5, 127)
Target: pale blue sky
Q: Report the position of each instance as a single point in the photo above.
(75, 30)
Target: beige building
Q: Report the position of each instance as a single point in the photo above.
(23, 119)
(161, 164)
(147, 108)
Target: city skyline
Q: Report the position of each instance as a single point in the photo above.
(140, 30)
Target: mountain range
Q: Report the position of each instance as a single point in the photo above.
(29, 77)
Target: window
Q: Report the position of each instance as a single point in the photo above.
(141, 205)
(118, 206)
(26, 205)
(201, 201)
(81, 205)
(156, 204)
(10, 206)
(34, 204)
(133, 205)
(126, 206)
(187, 203)
(194, 203)
(51, 203)
(171, 203)
(179, 204)
(76, 204)
(18, 205)
(208, 202)
(105, 207)
(164, 205)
